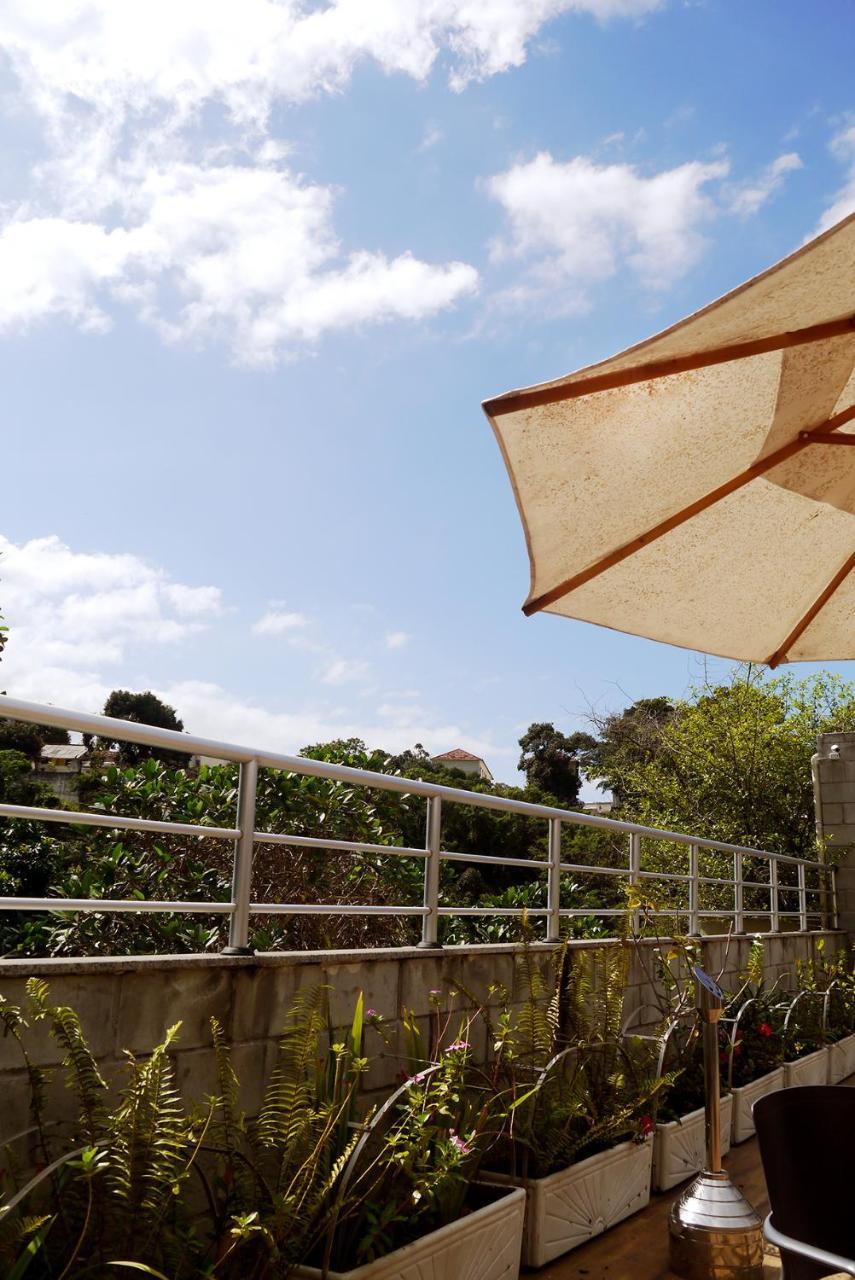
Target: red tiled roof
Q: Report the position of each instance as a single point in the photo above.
(457, 754)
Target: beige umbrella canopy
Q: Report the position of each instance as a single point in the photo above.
(697, 488)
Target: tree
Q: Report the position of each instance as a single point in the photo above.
(732, 761)
(141, 708)
(549, 762)
(625, 740)
(17, 735)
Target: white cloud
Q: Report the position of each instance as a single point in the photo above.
(577, 222)
(211, 711)
(129, 57)
(397, 639)
(278, 622)
(71, 614)
(843, 147)
(747, 197)
(164, 191)
(239, 252)
(345, 671)
(82, 624)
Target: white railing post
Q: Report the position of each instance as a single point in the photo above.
(635, 874)
(738, 897)
(433, 827)
(553, 885)
(242, 871)
(774, 902)
(802, 899)
(694, 891)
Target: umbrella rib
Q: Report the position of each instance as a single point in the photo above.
(805, 439)
(820, 602)
(530, 398)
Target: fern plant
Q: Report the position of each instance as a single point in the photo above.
(144, 1184)
(578, 1085)
(279, 1172)
(111, 1196)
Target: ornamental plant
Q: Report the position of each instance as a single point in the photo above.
(752, 1028)
(142, 1183)
(576, 1085)
(413, 1167)
(832, 979)
(803, 1030)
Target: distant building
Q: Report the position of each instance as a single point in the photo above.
(601, 807)
(465, 761)
(60, 765)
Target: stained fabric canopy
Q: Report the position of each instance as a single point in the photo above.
(698, 488)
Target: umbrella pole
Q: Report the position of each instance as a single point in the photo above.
(715, 1234)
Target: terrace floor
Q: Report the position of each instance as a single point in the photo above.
(637, 1249)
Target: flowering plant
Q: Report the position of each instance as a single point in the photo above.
(751, 1031)
(303, 1180)
(412, 1170)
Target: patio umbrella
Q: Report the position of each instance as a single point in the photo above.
(697, 488)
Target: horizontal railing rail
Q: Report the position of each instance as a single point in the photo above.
(241, 906)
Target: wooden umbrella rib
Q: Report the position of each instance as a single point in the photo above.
(819, 603)
(530, 398)
(804, 441)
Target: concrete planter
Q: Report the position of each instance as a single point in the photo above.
(742, 1126)
(679, 1147)
(841, 1059)
(575, 1204)
(484, 1245)
(812, 1069)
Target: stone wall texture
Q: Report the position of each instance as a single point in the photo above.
(834, 796)
(127, 1004)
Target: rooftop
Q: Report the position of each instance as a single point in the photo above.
(456, 754)
(57, 751)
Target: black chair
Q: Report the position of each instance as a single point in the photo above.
(807, 1144)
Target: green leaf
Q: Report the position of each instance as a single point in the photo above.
(356, 1027)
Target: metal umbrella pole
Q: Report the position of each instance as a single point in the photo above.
(715, 1234)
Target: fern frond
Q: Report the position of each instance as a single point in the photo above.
(79, 1061)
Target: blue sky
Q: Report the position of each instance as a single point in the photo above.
(259, 265)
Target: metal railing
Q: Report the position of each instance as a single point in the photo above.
(807, 913)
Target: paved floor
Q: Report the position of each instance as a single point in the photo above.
(638, 1248)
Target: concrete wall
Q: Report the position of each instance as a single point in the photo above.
(129, 1003)
(833, 769)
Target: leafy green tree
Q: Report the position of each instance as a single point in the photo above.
(141, 708)
(732, 762)
(17, 735)
(549, 761)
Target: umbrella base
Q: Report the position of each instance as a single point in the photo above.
(715, 1234)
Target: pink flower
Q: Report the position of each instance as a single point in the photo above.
(456, 1141)
(458, 1044)
(765, 1029)
(371, 1013)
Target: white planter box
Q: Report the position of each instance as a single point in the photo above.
(812, 1069)
(744, 1098)
(484, 1244)
(841, 1060)
(575, 1204)
(679, 1147)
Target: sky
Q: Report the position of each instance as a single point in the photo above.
(259, 266)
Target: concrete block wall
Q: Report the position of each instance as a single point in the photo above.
(127, 1004)
(833, 769)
